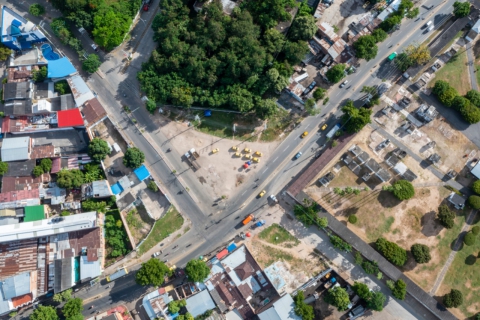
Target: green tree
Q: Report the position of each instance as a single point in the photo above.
(5, 52)
(419, 54)
(445, 93)
(474, 97)
(69, 179)
(476, 230)
(151, 106)
(352, 219)
(173, 307)
(266, 108)
(39, 75)
(376, 301)
(403, 189)
(38, 171)
(470, 113)
(461, 9)
(44, 313)
(110, 27)
(98, 149)
(391, 251)
(336, 73)
(460, 102)
(379, 35)
(269, 12)
(73, 307)
(319, 94)
(469, 239)
(474, 202)
(133, 158)
(273, 41)
(413, 13)
(322, 222)
(46, 164)
(400, 289)
(302, 309)
(337, 297)
(340, 244)
(445, 216)
(362, 290)
(453, 299)
(76, 317)
(403, 62)
(92, 205)
(3, 167)
(295, 51)
(91, 64)
(404, 7)
(421, 253)
(62, 87)
(366, 47)
(36, 10)
(152, 186)
(115, 235)
(152, 272)
(306, 214)
(197, 270)
(354, 119)
(303, 28)
(370, 267)
(388, 24)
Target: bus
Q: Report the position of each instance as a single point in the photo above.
(120, 273)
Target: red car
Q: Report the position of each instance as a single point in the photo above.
(145, 7)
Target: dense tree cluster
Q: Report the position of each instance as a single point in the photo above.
(354, 119)
(175, 306)
(44, 313)
(133, 158)
(461, 9)
(115, 236)
(69, 179)
(39, 75)
(336, 73)
(73, 308)
(391, 251)
(366, 47)
(418, 54)
(445, 216)
(215, 60)
(108, 21)
(98, 149)
(375, 299)
(302, 309)
(337, 297)
(197, 270)
(403, 62)
(421, 253)
(453, 299)
(405, 8)
(91, 64)
(469, 109)
(153, 272)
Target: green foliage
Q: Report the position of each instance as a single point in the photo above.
(204, 316)
(390, 284)
(421, 253)
(115, 236)
(133, 158)
(186, 316)
(153, 272)
(470, 113)
(340, 244)
(92, 173)
(110, 27)
(322, 222)
(69, 179)
(461, 9)
(412, 14)
(362, 290)
(303, 28)
(400, 289)
(38, 171)
(73, 307)
(388, 24)
(337, 297)
(335, 73)
(151, 106)
(445, 93)
(91, 64)
(36, 9)
(5, 52)
(370, 267)
(403, 62)
(453, 299)
(354, 119)
(76, 317)
(352, 219)
(379, 35)
(197, 270)
(39, 75)
(295, 51)
(62, 87)
(152, 186)
(476, 230)
(304, 9)
(3, 167)
(474, 97)
(366, 47)
(376, 301)
(469, 239)
(391, 251)
(65, 213)
(305, 215)
(98, 149)
(12, 314)
(474, 202)
(269, 12)
(92, 205)
(319, 94)
(358, 258)
(403, 190)
(445, 216)
(266, 108)
(46, 164)
(44, 313)
(476, 187)
(302, 309)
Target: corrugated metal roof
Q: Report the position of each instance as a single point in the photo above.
(63, 274)
(69, 118)
(283, 310)
(101, 189)
(4, 304)
(81, 92)
(15, 149)
(200, 303)
(89, 269)
(235, 259)
(16, 286)
(34, 213)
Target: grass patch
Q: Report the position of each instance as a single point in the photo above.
(278, 235)
(375, 232)
(273, 255)
(220, 124)
(463, 273)
(455, 72)
(169, 223)
(276, 126)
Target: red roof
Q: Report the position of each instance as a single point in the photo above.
(69, 118)
(19, 195)
(222, 254)
(56, 165)
(20, 300)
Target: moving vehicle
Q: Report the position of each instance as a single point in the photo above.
(430, 28)
(392, 56)
(273, 198)
(262, 193)
(343, 83)
(428, 24)
(324, 126)
(334, 130)
(247, 219)
(304, 134)
(120, 273)
(192, 157)
(298, 155)
(156, 254)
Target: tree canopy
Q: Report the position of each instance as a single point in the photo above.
(400, 289)
(419, 54)
(362, 290)
(197, 270)
(403, 62)
(474, 97)
(152, 272)
(44, 313)
(445, 216)
(379, 34)
(69, 179)
(474, 202)
(3, 167)
(302, 309)
(36, 9)
(91, 64)
(421, 253)
(403, 189)
(461, 9)
(376, 301)
(133, 158)
(337, 297)
(391, 251)
(98, 149)
(46, 164)
(366, 47)
(354, 119)
(39, 75)
(453, 299)
(268, 13)
(336, 73)
(303, 28)
(73, 307)
(5, 52)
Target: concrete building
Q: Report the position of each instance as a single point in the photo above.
(17, 32)
(16, 149)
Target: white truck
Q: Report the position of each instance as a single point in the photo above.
(332, 131)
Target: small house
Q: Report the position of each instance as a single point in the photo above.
(457, 200)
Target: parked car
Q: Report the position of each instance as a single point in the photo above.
(356, 312)
(304, 134)
(273, 198)
(156, 254)
(145, 7)
(343, 83)
(261, 194)
(298, 155)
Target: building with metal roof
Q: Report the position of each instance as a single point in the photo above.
(15, 149)
(89, 269)
(60, 68)
(34, 213)
(69, 118)
(64, 274)
(93, 112)
(101, 189)
(16, 286)
(17, 90)
(457, 201)
(17, 107)
(156, 304)
(283, 309)
(200, 303)
(81, 92)
(17, 32)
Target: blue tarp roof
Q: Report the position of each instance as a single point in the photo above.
(60, 68)
(207, 113)
(142, 173)
(116, 188)
(231, 247)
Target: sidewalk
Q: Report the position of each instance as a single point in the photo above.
(471, 66)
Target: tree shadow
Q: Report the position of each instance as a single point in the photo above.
(387, 199)
(430, 226)
(457, 243)
(410, 264)
(470, 260)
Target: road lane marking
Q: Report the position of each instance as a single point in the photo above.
(244, 192)
(265, 170)
(286, 148)
(275, 159)
(307, 127)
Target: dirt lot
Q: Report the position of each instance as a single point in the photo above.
(139, 223)
(342, 13)
(221, 172)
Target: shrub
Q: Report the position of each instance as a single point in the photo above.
(391, 284)
(474, 202)
(400, 289)
(358, 258)
(36, 9)
(476, 187)
(476, 230)
(445, 216)
(339, 243)
(37, 171)
(319, 94)
(352, 219)
(322, 222)
(392, 252)
(421, 253)
(403, 190)
(469, 239)
(46, 164)
(65, 213)
(152, 186)
(453, 299)
(302, 309)
(370, 267)
(362, 290)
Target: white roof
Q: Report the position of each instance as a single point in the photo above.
(89, 269)
(476, 26)
(234, 259)
(48, 227)
(15, 149)
(81, 92)
(283, 309)
(476, 170)
(233, 315)
(400, 167)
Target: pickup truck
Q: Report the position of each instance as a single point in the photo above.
(192, 157)
(329, 283)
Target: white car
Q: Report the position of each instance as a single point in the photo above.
(273, 198)
(156, 254)
(344, 83)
